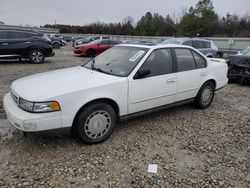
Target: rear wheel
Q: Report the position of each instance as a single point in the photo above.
(56, 45)
(36, 56)
(91, 53)
(205, 95)
(96, 123)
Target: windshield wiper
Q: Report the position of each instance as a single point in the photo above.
(92, 67)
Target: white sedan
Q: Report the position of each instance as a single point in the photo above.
(123, 82)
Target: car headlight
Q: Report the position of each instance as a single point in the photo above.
(25, 105)
(39, 106)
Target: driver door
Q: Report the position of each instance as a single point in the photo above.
(158, 87)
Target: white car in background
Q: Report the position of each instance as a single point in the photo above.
(207, 47)
(123, 82)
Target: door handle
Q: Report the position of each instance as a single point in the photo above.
(171, 81)
(27, 42)
(5, 44)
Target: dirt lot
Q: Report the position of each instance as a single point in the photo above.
(192, 148)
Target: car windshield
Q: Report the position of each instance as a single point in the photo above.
(245, 51)
(117, 61)
(87, 38)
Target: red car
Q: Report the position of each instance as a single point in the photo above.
(95, 47)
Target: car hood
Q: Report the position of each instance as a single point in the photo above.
(240, 61)
(44, 86)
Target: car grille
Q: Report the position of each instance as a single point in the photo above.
(14, 97)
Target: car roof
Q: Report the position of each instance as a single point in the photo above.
(183, 39)
(21, 30)
(156, 46)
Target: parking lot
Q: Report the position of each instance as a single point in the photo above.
(191, 147)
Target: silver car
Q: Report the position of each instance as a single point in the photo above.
(207, 47)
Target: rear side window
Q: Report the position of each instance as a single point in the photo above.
(3, 34)
(18, 35)
(197, 44)
(200, 61)
(185, 60)
(206, 44)
(104, 42)
(159, 62)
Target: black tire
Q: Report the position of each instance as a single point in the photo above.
(91, 53)
(36, 56)
(56, 45)
(96, 123)
(205, 95)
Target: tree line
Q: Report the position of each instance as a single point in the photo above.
(200, 20)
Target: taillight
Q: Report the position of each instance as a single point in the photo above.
(47, 39)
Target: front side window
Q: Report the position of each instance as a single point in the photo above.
(159, 62)
(185, 60)
(188, 43)
(3, 35)
(118, 60)
(18, 35)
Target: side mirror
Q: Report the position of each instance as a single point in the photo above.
(142, 73)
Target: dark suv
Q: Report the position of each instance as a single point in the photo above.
(18, 44)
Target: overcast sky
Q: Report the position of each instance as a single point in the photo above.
(79, 12)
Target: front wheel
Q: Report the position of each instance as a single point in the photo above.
(36, 56)
(96, 123)
(91, 53)
(205, 95)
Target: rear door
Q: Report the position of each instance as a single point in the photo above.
(156, 89)
(4, 44)
(192, 72)
(19, 42)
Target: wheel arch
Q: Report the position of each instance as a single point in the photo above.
(90, 49)
(35, 48)
(209, 55)
(109, 101)
(210, 80)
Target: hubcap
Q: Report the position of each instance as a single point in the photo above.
(97, 124)
(207, 95)
(36, 56)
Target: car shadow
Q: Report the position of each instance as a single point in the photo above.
(69, 140)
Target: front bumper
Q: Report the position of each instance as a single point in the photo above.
(77, 51)
(30, 122)
(51, 54)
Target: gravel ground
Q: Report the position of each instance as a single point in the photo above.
(192, 148)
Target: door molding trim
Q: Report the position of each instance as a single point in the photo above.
(151, 98)
(151, 110)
